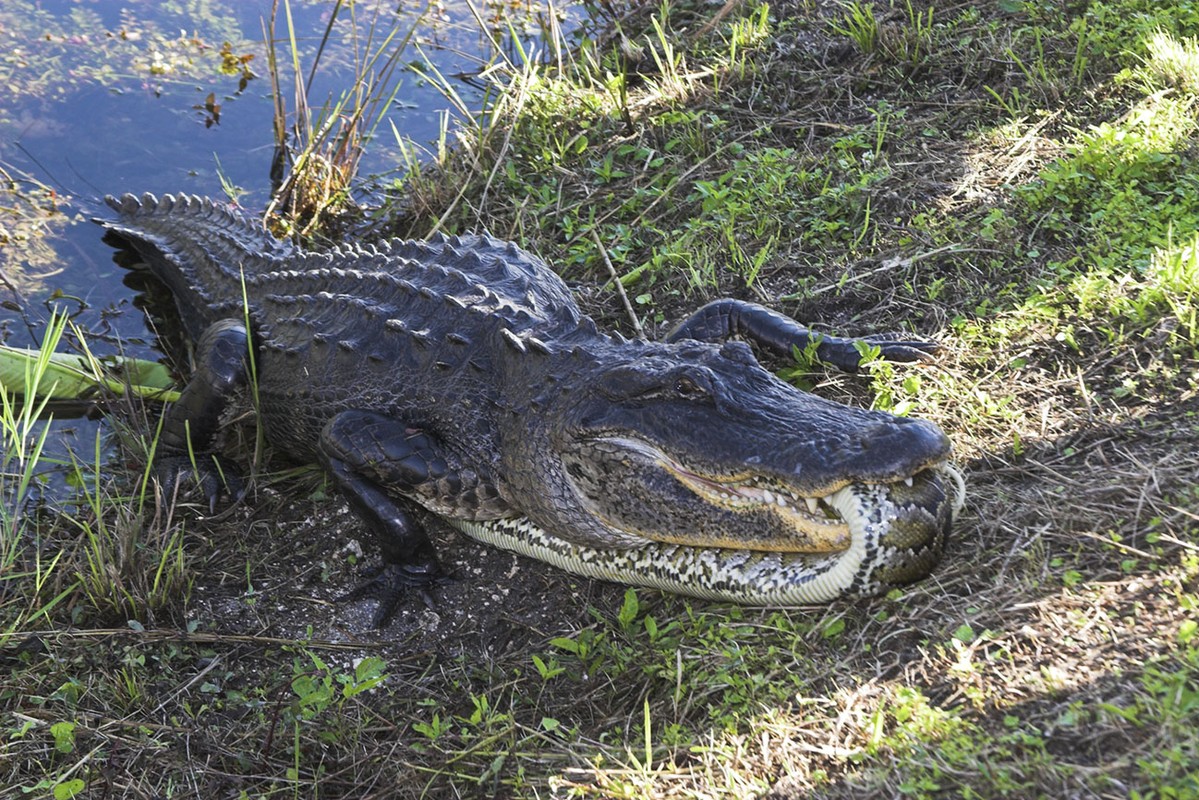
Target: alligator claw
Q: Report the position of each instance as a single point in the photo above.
(897, 347)
(211, 472)
(391, 583)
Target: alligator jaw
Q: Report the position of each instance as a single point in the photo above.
(820, 527)
(817, 526)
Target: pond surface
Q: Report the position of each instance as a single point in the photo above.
(110, 96)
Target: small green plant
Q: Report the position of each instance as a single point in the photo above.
(918, 36)
(547, 668)
(745, 33)
(1012, 102)
(1174, 280)
(435, 728)
(668, 61)
(317, 687)
(859, 23)
(807, 361)
(319, 707)
(64, 737)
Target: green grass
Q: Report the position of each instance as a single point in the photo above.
(1085, 254)
(96, 548)
(1014, 179)
(23, 566)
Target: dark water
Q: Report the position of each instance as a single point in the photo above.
(100, 97)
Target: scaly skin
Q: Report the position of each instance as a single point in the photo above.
(459, 375)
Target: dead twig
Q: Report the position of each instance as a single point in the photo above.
(624, 297)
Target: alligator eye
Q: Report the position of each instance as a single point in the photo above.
(689, 388)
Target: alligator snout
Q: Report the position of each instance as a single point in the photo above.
(896, 448)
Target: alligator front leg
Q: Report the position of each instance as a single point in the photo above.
(189, 427)
(379, 463)
(725, 319)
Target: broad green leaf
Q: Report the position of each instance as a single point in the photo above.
(73, 377)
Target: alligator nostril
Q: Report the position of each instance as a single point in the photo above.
(739, 352)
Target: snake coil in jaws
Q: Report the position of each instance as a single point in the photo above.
(895, 541)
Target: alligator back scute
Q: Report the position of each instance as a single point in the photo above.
(503, 267)
(228, 236)
(398, 324)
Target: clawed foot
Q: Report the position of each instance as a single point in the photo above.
(392, 583)
(215, 476)
(843, 353)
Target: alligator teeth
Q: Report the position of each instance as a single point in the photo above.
(907, 481)
(755, 491)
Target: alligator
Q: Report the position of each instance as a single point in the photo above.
(458, 375)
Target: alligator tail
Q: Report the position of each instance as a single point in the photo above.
(202, 251)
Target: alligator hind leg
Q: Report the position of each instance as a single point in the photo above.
(189, 427)
(724, 319)
(373, 458)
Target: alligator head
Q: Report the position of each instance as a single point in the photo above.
(697, 446)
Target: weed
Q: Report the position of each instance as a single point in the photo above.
(1171, 63)
(859, 23)
(669, 62)
(134, 568)
(1174, 282)
(1116, 31)
(24, 563)
(1167, 706)
(317, 153)
(914, 40)
(1125, 180)
(745, 34)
